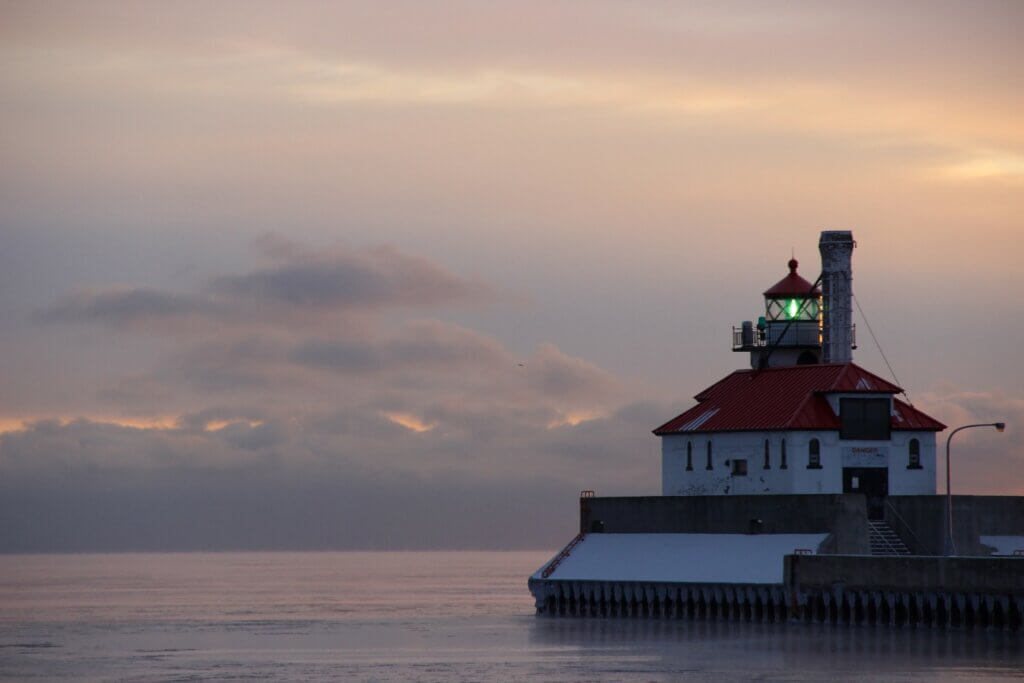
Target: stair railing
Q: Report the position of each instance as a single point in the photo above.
(880, 541)
(880, 531)
(920, 544)
(549, 570)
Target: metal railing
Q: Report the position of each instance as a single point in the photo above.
(921, 545)
(550, 569)
(878, 535)
(809, 336)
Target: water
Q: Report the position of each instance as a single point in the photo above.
(409, 616)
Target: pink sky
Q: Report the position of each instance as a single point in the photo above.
(422, 250)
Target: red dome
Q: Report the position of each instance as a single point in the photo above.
(792, 285)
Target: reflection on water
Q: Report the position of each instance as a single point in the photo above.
(791, 651)
(410, 616)
(263, 586)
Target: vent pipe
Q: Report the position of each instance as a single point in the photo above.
(836, 247)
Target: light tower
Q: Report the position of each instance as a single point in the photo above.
(789, 332)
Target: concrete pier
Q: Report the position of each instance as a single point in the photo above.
(957, 592)
(829, 578)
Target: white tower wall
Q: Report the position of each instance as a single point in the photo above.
(796, 477)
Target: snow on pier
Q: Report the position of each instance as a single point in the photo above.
(681, 558)
(777, 578)
(1004, 545)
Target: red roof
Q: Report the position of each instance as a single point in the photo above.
(788, 398)
(792, 284)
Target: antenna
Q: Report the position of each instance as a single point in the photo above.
(880, 351)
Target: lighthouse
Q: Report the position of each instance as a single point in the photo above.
(804, 419)
(803, 454)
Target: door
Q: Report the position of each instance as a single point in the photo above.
(873, 482)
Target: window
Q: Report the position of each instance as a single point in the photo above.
(767, 455)
(782, 455)
(864, 418)
(792, 308)
(708, 467)
(914, 455)
(689, 456)
(814, 455)
(739, 468)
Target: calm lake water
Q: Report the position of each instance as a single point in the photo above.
(434, 616)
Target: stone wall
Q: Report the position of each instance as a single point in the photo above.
(921, 521)
(978, 575)
(844, 516)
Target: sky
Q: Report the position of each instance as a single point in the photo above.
(412, 275)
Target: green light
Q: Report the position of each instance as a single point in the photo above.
(792, 308)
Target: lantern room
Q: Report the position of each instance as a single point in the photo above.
(792, 298)
(789, 332)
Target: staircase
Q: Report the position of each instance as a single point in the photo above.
(883, 540)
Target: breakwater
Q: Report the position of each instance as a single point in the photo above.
(954, 592)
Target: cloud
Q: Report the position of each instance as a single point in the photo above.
(554, 373)
(57, 451)
(253, 437)
(119, 306)
(342, 279)
(420, 344)
(314, 484)
(1005, 166)
(339, 280)
(320, 380)
(410, 422)
(190, 510)
(216, 417)
(231, 362)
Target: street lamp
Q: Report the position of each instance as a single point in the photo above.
(950, 545)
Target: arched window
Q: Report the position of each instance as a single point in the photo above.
(689, 456)
(767, 455)
(708, 467)
(914, 455)
(814, 455)
(782, 455)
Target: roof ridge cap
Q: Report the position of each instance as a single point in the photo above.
(914, 409)
(800, 407)
(843, 368)
(899, 389)
(705, 390)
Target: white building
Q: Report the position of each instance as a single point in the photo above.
(795, 424)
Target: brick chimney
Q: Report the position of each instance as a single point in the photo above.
(836, 247)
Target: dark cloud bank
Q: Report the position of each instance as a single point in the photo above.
(85, 486)
(350, 481)
(318, 402)
(197, 510)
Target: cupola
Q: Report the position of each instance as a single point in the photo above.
(792, 298)
(789, 332)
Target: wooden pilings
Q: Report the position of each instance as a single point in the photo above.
(773, 603)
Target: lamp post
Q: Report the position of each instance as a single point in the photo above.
(950, 545)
